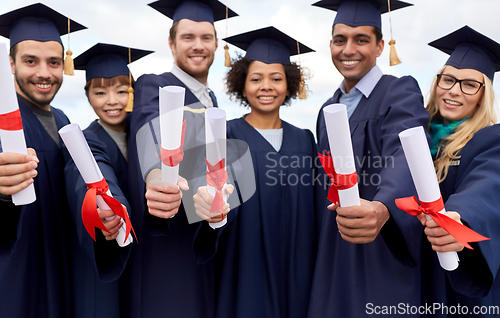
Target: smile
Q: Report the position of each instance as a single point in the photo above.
(197, 58)
(452, 102)
(43, 85)
(266, 97)
(348, 63)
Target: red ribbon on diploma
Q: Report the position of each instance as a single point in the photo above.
(217, 177)
(172, 157)
(460, 232)
(339, 181)
(11, 121)
(90, 215)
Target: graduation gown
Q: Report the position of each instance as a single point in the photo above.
(264, 256)
(471, 188)
(97, 265)
(161, 276)
(34, 260)
(351, 279)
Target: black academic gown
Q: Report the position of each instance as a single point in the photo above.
(97, 265)
(264, 256)
(162, 278)
(352, 279)
(471, 188)
(34, 238)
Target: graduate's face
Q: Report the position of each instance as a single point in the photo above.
(38, 71)
(354, 51)
(194, 48)
(109, 104)
(265, 87)
(453, 104)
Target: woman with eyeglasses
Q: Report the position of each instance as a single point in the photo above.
(465, 144)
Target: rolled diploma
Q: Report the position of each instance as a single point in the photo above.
(339, 138)
(171, 114)
(215, 139)
(85, 162)
(12, 140)
(422, 170)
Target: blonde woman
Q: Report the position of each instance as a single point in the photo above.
(465, 143)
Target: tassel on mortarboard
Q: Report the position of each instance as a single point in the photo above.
(227, 57)
(69, 66)
(393, 55)
(130, 102)
(302, 85)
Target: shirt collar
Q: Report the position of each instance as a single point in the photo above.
(367, 83)
(187, 79)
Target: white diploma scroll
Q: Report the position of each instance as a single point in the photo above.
(215, 137)
(418, 156)
(12, 140)
(339, 138)
(85, 162)
(171, 114)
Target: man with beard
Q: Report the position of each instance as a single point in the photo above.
(34, 262)
(161, 270)
(367, 254)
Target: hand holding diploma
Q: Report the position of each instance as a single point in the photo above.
(215, 136)
(16, 178)
(422, 170)
(98, 190)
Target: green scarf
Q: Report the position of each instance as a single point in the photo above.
(440, 131)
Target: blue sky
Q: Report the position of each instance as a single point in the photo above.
(133, 23)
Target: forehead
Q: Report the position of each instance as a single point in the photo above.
(187, 26)
(264, 68)
(346, 30)
(39, 49)
(464, 73)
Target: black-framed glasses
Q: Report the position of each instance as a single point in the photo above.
(467, 86)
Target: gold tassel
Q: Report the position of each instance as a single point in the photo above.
(130, 102)
(227, 60)
(69, 66)
(302, 87)
(393, 56)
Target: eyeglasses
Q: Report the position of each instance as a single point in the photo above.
(467, 86)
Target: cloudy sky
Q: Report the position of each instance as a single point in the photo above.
(133, 23)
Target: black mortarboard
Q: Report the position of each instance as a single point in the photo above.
(356, 13)
(470, 49)
(268, 45)
(200, 10)
(107, 60)
(35, 22)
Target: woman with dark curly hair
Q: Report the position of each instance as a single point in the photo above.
(265, 254)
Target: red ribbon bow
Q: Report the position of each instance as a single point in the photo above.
(217, 177)
(90, 215)
(11, 121)
(339, 181)
(460, 232)
(172, 157)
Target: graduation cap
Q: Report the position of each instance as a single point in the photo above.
(357, 13)
(200, 10)
(470, 49)
(107, 61)
(39, 23)
(269, 45)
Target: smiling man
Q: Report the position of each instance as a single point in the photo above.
(34, 248)
(162, 272)
(368, 253)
